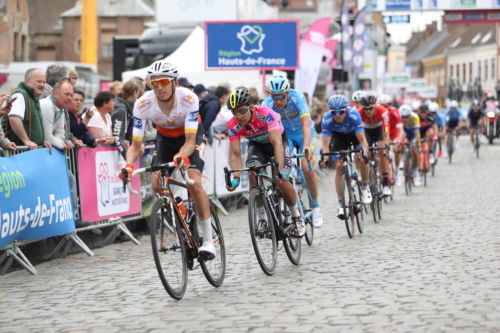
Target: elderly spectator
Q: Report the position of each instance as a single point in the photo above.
(99, 125)
(24, 125)
(200, 90)
(78, 125)
(4, 142)
(124, 107)
(54, 74)
(115, 87)
(53, 109)
(210, 105)
(183, 82)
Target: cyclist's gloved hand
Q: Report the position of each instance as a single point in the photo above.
(284, 175)
(365, 159)
(235, 182)
(183, 159)
(435, 137)
(129, 168)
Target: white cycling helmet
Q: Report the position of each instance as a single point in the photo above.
(161, 67)
(415, 105)
(489, 95)
(433, 107)
(384, 99)
(453, 104)
(405, 110)
(356, 97)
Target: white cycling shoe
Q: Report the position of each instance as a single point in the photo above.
(386, 191)
(317, 217)
(366, 196)
(207, 248)
(341, 213)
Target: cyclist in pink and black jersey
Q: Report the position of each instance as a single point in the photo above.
(263, 128)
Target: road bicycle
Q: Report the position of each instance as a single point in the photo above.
(477, 143)
(176, 235)
(408, 167)
(425, 165)
(376, 183)
(352, 203)
(304, 195)
(265, 235)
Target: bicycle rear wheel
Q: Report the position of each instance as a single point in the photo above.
(358, 202)
(169, 250)
(407, 171)
(477, 143)
(373, 189)
(292, 244)
(346, 187)
(262, 233)
(450, 147)
(215, 269)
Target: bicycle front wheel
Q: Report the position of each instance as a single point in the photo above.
(347, 206)
(374, 189)
(292, 244)
(262, 233)
(305, 204)
(215, 269)
(360, 216)
(169, 249)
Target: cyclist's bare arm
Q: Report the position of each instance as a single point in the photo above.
(235, 156)
(188, 148)
(305, 121)
(362, 141)
(326, 144)
(279, 154)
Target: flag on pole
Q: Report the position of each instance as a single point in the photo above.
(346, 37)
(358, 45)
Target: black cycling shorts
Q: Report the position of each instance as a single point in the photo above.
(166, 148)
(450, 125)
(341, 141)
(374, 135)
(261, 152)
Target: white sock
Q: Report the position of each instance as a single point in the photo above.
(206, 225)
(294, 210)
(261, 211)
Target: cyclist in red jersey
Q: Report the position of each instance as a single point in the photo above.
(396, 131)
(376, 122)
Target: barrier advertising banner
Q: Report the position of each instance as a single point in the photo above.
(101, 189)
(252, 44)
(429, 92)
(35, 200)
(417, 85)
(396, 80)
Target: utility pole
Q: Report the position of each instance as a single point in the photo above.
(88, 30)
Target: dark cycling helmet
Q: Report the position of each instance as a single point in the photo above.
(368, 101)
(239, 97)
(423, 108)
(476, 104)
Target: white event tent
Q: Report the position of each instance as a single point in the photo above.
(189, 59)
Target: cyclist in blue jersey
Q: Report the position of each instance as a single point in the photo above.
(294, 111)
(453, 118)
(433, 110)
(342, 127)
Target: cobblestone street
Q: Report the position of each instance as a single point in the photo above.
(430, 265)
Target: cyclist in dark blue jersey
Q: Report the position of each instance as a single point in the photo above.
(292, 106)
(475, 118)
(342, 127)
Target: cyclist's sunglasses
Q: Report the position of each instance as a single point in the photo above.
(368, 107)
(241, 112)
(338, 112)
(278, 97)
(405, 117)
(162, 82)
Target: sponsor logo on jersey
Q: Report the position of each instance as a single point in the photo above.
(193, 116)
(261, 117)
(262, 137)
(187, 101)
(231, 132)
(237, 127)
(326, 121)
(353, 116)
(137, 123)
(144, 105)
(292, 114)
(269, 118)
(260, 129)
(249, 132)
(177, 115)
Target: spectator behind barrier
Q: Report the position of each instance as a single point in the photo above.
(24, 124)
(54, 74)
(53, 109)
(183, 82)
(115, 87)
(141, 83)
(122, 113)
(210, 105)
(200, 90)
(4, 142)
(255, 95)
(78, 126)
(99, 126)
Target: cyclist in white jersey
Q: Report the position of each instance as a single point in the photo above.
(181, 137)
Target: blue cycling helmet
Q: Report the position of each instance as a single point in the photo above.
(337, 102)
(278, 85)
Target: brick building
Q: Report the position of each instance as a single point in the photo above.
(115, 17)
(14, 33)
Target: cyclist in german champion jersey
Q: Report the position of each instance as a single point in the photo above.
(181, 137)
(263, 128)
(396, 132)
(342, 127)
(428, 129)
(291, 105)
(475, 117)
(411, 125)
(376, 122)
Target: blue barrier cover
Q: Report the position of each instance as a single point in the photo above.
(35, 200)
